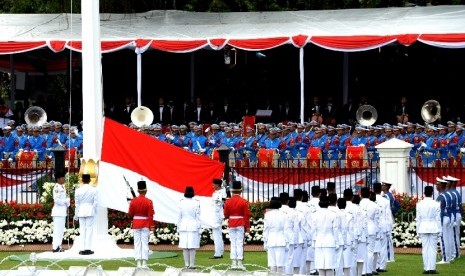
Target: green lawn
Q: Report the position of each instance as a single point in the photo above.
(404, 264)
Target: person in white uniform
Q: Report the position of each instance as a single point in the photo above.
(86, 209)
(429, 229)
(372, 212)
(313, 206)
(59, 212)
(385, 227)
(218, 198)
(189, 226)
(274, 241)
(325, 233)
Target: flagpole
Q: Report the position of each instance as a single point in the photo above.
(92, 100)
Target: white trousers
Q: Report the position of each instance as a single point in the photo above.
(141, 243)
(86, 225)
(390, 247)
(236, 236)
(58, 231)
(429, 250)
(446, 240)
(218, 241)
(368, 264)
(383, 253)
(458, 220)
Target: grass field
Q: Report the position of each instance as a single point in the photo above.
(404, 264)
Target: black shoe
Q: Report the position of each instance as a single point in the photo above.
(191, 267)
(82, 252)
(216, 257)
(89, 252)
(381, 270)
(433, 272)
(58, 249)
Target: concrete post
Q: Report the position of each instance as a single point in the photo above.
(393, 162)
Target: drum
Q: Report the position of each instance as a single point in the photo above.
(356, 157)
(26, 159)
(265, 158)
(215, 155)
(71, 158)
(314, 157)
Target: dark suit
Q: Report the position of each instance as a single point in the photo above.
(228, 115)
(330, 114)
(349, 111)
(201, 117)
(165, 115)
(124, 114)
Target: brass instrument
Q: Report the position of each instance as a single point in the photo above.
(366, 115)
(431, 111)
(35, 116)
(142, 115)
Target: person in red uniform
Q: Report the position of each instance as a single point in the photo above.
(141, 211)
(236, 209)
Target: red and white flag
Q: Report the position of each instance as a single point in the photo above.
(167, 170)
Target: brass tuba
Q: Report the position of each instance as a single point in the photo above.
(366, 115)
(142, 115)
(35, 116)
(431, 111)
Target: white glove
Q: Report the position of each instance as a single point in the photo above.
(423, 145)
(287, 246)
(462, 150)
(75, 217)
(202, 150)
(211, 141)
(232, 148)
(361, 145)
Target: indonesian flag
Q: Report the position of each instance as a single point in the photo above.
(167, 170)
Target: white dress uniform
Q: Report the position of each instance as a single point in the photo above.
(372, 211)
(59, 212)
(325, 233)
(86, 209)
(429, 229)
(340, 216)
(360, 237)
(189, 225)
(274, 241)
(385, 227)
(314, 206)
(301, 251)
(218, 198)
(294, 233)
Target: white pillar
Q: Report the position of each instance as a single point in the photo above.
(394, 159)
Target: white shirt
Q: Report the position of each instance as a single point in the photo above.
(189, 215)
(428, 216)
(86, 200)
(60, 201)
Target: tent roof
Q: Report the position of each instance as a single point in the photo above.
(180, 31)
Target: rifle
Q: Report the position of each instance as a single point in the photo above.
(130, 188)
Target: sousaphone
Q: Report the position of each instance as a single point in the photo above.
(142, 115)
(431, 111)
(366, 115)
(35, 116)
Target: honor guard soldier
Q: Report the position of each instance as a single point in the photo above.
(189, 226)
(445, 240)
(218, 198)
(275, 242)
(236, 210)
(141, 211)
(86, 208)
(61, 203)
(428, 216)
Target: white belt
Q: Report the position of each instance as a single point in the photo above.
(140, 217)
(236, 217)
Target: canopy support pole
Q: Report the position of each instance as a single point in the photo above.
(139, 76)
(302, 81)
(345, 78)
(12, 83)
